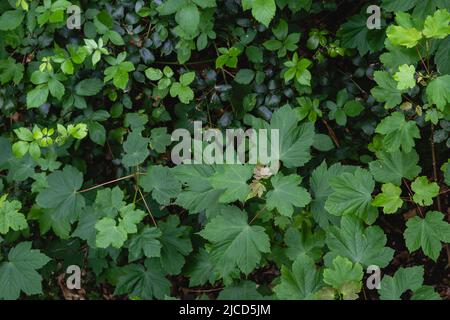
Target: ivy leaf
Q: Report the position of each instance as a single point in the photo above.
(286, 194)
(144, 282)
(263, 11)
(387, 90)
(352, 195)
(145, 243)
(161, 183)
(427, 233)
(389, 199)
(405, 77)
(401, 36)
(345, 277)
(394, 166)
(301, 282)
(235, 242)
(176, 244)
(61, 194)
(404, 279)
(359, 244)
(398, 132)
(424, 191)
(19, 272)
(438, 91)
(10, 217)
(437, 26)
(232, 180)
(136, 150)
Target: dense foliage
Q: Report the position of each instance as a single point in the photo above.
(86, 177)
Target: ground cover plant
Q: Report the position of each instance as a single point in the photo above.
(90, 92)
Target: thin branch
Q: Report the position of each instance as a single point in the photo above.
(146, 206)
(435, 171)
(109, 182)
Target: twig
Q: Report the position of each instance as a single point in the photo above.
(109, 182)
(332, 134)
(146, 206)
(435, 174)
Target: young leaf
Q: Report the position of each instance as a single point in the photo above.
(398, 132)
(405, 77)
(10, 217)
(389, 199)
(345, 277)
(424, 191)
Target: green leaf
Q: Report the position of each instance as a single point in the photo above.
(437, 26)
(20, 149)
(245, 290)
(176, 244)
(404, 279)
(387, 90)
(389, 199)
(359, 244)
(426, 293)
(287, 194)
(9, 70)
(352, 195)
(400, 36)
(344, 275)
(161, 183)
(112, 233)
(88, 87)
(145, 243)
(405, 77)
(143, 282)
(37, 97)
(153, 74)
(232, 180)
(136, 150)
(244, 76)
(235, 242)
(424, 191)
(10, 217)
(159, 140)
(427, 233)
(56, 88)
(188, 17)
(304, 243)
(301, 282)
(398, 132)
(62, 195)
(19, 272)
(263, 11)
(438, 91)
(442, 58)
(11, 19)
(394, 166)
(201, 269)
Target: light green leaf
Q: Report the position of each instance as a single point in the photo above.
(405, 77)
(232, 180)
(437, 26)
(344, 275)
(387, 90)
(389, 199)
(424, 190)
(10, 217)
(400, 36)
(263, 11)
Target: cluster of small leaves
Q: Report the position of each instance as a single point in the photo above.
(363, 117)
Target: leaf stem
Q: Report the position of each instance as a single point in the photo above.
(109, 182)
